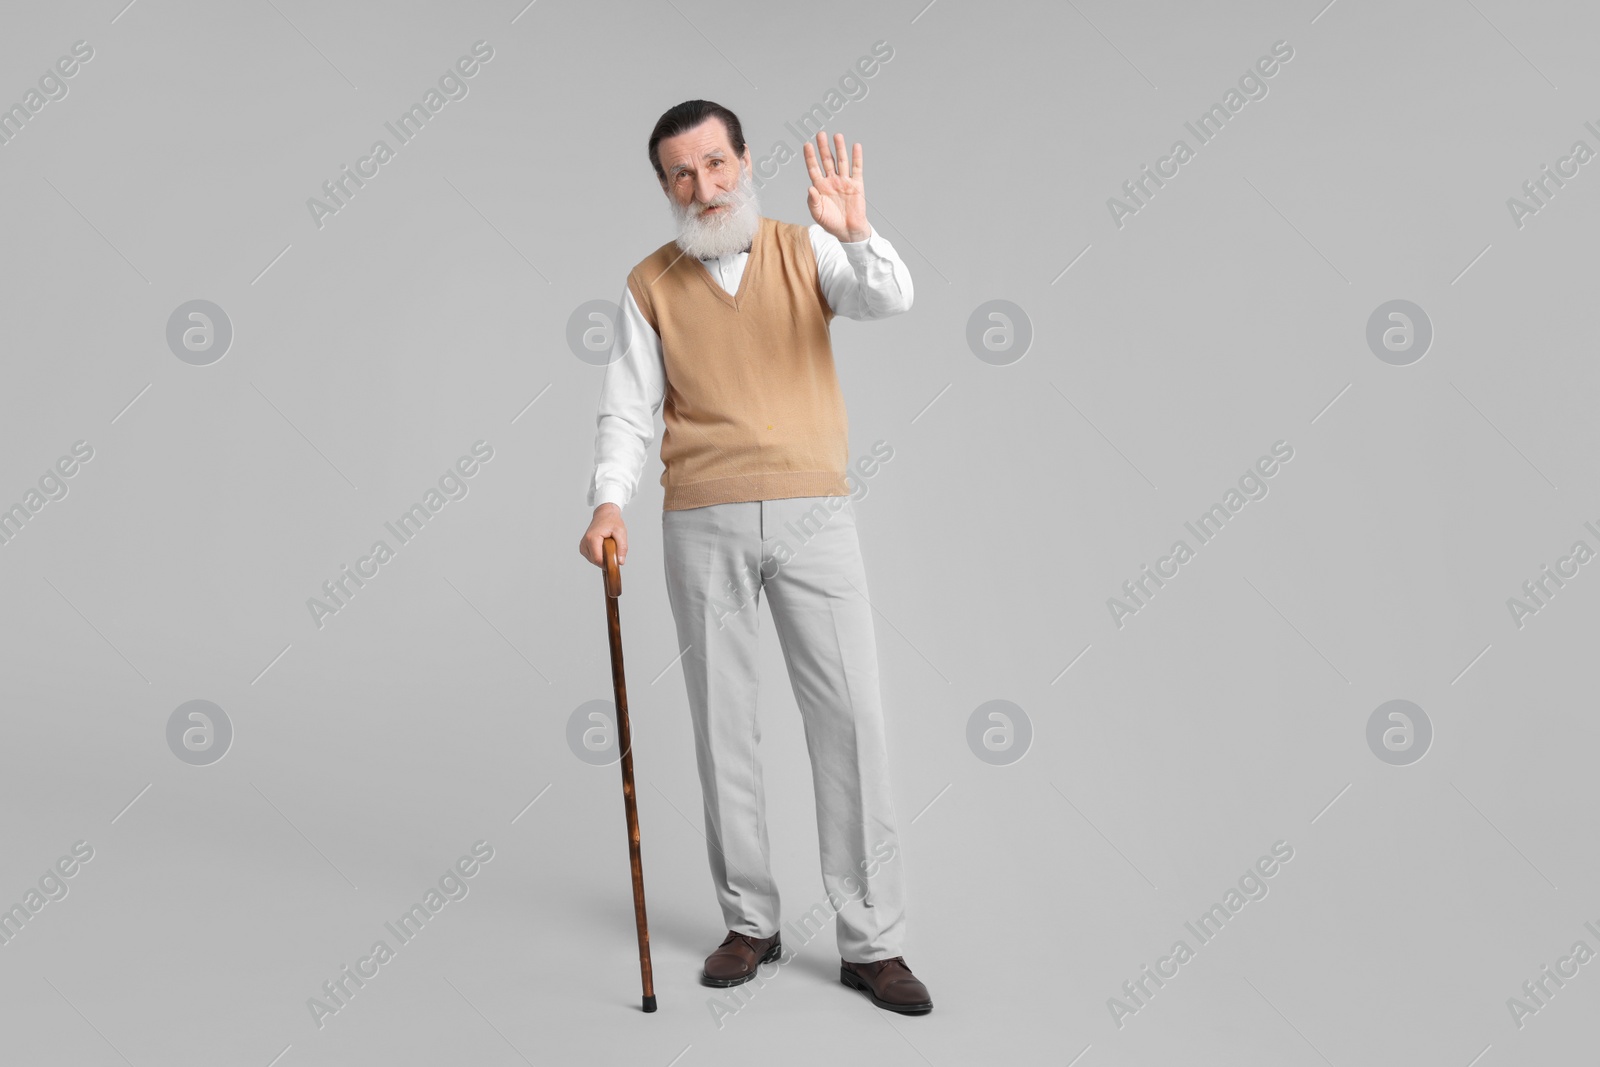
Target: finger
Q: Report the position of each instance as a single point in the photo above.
(855, 161)
(812, 169)
(838, 153)
(826, 153)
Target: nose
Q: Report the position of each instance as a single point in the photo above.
(705, 190)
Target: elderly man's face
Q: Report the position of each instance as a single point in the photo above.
(701, 166)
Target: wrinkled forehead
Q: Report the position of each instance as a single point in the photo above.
(705, 142)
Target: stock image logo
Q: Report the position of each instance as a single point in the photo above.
(1251, 887)
(1540, 190)
(453, 885)
(1538, 992)
(1204, 128)
(592, 733)
(1543, 587)
(999, 732)
(1399, 732)
(199, 732)
(199, 332)
(999, 332)
(52, 886)
(52, 86)
(453, 85)
(52, 486)
(592, 332)
(1399, 332)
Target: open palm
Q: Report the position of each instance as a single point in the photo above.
(837, 199)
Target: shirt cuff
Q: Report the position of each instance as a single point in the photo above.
(610, 494)
(861, 246)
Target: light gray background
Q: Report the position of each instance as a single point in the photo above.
(431, 312)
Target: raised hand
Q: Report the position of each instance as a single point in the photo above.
(838, 200)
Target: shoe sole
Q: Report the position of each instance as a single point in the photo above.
(722, 983)
(854, 982)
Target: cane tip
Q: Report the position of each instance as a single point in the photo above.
(650, 1003)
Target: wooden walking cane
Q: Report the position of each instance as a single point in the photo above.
(613, 578)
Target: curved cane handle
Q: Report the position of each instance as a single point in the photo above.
(613, 572)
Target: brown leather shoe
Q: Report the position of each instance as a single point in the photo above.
(889, 983)
(737, 958)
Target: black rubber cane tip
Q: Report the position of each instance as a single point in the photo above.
(650, 1003)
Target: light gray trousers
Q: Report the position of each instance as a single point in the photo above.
(802, 552)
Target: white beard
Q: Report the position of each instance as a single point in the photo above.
(725, 232)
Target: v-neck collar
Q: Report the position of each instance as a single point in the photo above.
(732, 300)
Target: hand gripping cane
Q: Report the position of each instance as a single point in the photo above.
(613, 579)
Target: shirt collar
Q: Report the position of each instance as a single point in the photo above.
(742, 251)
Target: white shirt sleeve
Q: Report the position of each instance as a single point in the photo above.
(861, 279)
(631, 394)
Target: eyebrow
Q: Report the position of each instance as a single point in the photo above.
(715, 153)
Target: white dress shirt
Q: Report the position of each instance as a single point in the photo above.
(860, 279)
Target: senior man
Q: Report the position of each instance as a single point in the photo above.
(727, 329)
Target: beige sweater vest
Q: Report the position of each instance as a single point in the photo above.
(753, 409)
